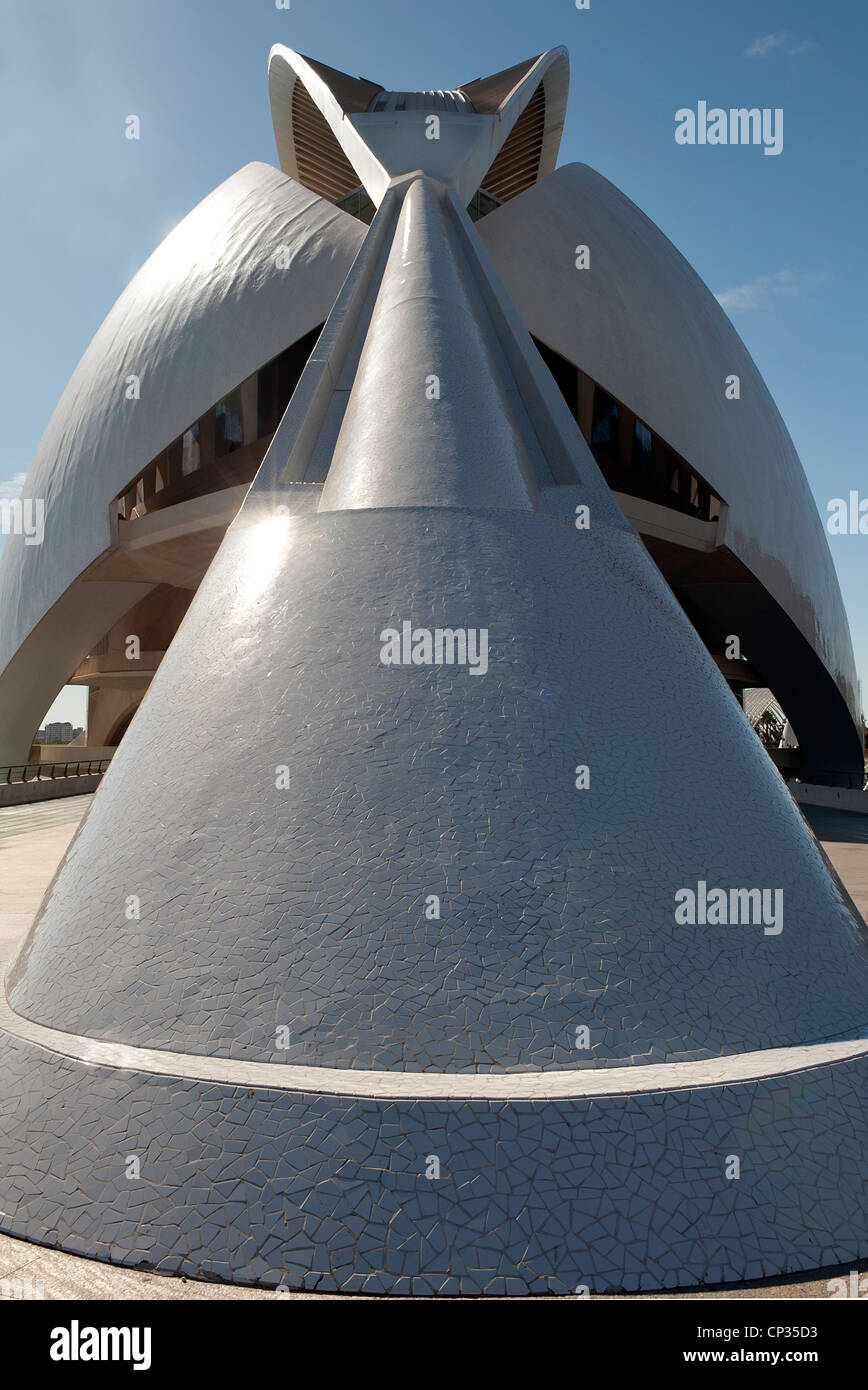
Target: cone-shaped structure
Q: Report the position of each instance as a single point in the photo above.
(413, 435)
(437, 821)
(307, 905)
(417, 776)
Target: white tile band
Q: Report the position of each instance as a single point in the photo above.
(395, 1085)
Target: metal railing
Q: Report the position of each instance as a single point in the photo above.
(50, 772)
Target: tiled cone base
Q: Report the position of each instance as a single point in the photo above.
(325, 1192)
(303, 907)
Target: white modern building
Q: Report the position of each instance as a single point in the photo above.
(441, 925)
(168, 416)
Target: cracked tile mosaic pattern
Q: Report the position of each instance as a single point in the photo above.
(329, 1193)
(304, 908)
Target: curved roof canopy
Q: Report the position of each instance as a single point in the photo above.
(335, 132)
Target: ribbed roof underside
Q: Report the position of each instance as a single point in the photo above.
(757, 701)
(322, 165)
(516, 168)
(421, 101)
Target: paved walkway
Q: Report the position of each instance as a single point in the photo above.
(844, 837)
(37, 815)
(34, 838)
(28, 858)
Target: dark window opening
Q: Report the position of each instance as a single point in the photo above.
(190, 453)
(643, 448)
(565, 375)
(481, 204)
(279, 378)
(230, 432)
(604, 431)
(359, 205)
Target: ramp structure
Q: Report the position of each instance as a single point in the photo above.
(441, 926)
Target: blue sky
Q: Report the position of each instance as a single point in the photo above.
(782, 240)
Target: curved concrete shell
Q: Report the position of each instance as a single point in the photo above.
(211, 305)
(469, 930)
(643, 325)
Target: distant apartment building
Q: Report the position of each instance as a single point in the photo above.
(57, 733)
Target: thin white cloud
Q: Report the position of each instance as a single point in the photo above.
(743, 298)
(12, 487)
(760, 47)
(782, 39)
